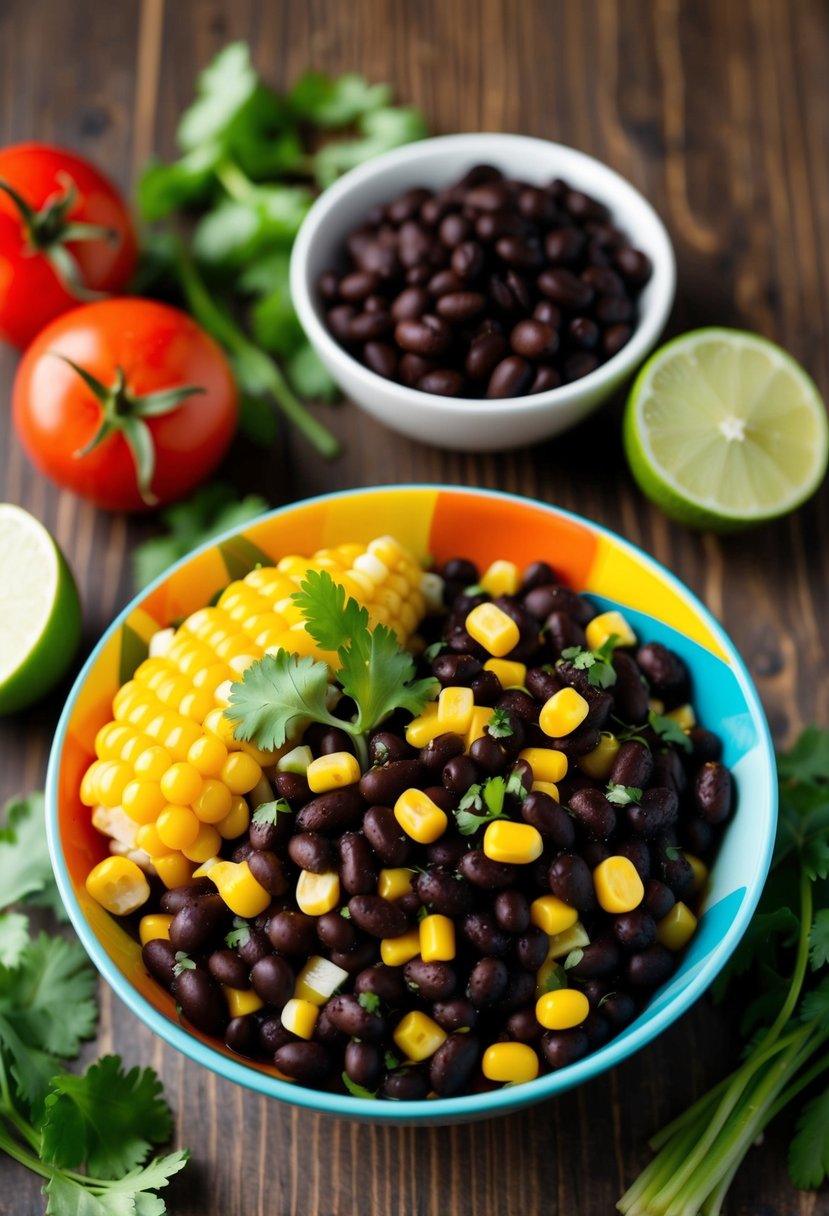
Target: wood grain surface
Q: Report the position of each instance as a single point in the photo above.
(719, 111)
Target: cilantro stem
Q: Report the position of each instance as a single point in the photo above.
(256, 372)
(237, 184)
(10, 1146)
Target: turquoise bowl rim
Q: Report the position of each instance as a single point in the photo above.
(441, 1110)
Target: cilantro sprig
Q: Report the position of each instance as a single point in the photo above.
(485, 802)
(597, 663)
(87, 1136)
(280, 694)
(783, 965)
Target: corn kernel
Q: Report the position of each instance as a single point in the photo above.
(501, 578)
(181, 784)
(214, 802)
(317, 894)
(143, 800)
(318, 980)
(240, 773)
(180, 736)
(241, 1001)
(300, 1017)
(393, 883)
(217, 724)
(419, 817)
(481, 716)
(552, 914)
(423, 729)
(236, 821)
(195, 704)
(111, 738)
(111, 780)
(490, 626)
(677, 928)
(395, 951)
(546, 787)
(173, 869)
(512, 1063)
(549, 978)
(562, 713)
(574, 938)
(510, 673)
(118, 885)
(618, 885)
(609, 625)
(455, 706)
(332, 771)
(240, 890)
(599, 763)
(562, 1009)
(700, 870)
(152, 763)
(547, 763)
(684, 717)
(417, 1036)
(148, 839)
(437, 939)
(177, 827)
(206, 845)
(207, 755)
(133, 748)
(513, 843)
(154, 927)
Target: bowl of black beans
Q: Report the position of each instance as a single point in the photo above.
(482, 292)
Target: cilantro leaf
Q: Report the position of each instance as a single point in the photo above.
(213, 509)
(25, 867)
(815, 1005)
(106, 1119)
(223, 89)
(432, 652)
(472, 799)
(488, 798)
(380, 130)
(622, 795)
(669, 731)
(819, 940)
(309, 375)
(14, 938)
(358, 1091)
(494, 791)
(597, 663)
(268, 812)
(468, 823)
(127, 1196)
(336, 102)
(808, 759)
(277, 697)
(499, 725)
(370, 1001)
(183, 963)
(573, 959)
(809, 1150)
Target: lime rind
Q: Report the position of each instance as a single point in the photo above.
(707, 385)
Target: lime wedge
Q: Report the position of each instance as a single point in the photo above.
(40, 614)
(723, 429)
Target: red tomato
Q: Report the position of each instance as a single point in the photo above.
(157, 350)
(44, 268)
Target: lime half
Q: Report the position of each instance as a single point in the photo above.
(723, 429)
(40, 614)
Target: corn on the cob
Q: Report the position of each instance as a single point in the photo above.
(167, 764)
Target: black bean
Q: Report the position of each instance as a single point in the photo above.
(487, 982)
(520, 252)
(706, 745)
(447, 851)
(339, 321)
(544, 814)
(594, 852)
(659, 899)
(242, 1035)
(669, 770)
(353, 1019)
(381, 358)
(633, 265)
(268, 870)
(456, 1014)
(385, 982)
(363, 1063)
(541, 684)
(630, 690)
(563, 1047)
(408, 204)
(460, 307)
(604, 280)
(332, 812)
(563, 632)
(439, 750)
(638, 854)
(201, 1000)
(367, 326)
(483, 872)
(307, 1062)
(650, 967)
(197, 923)
(328, 286)
(254, 947)
(531, 948)
(565, 246)
(665, 671)
(486, 688)
(377, 916)
(593, 813)
(565, 289)
(273, 980)
(459, 774)
(633, 765)
(443, 382)
(364, 954)
(336, 932)
(634, 930)
(391, 844)
(713, 792)
(489, 754)
(657, 811)
(273, 1035)
(443, 282)
(441, 798)
(534, 339)
(698, 836)
(614, 338)
(411, 304)
(444, 892)
(490, 196)
(429, 336)
(159, 957)
(510, 378)
(481, 931)
(577, 365)
(619, 1008)
(454, 229)
(430, 981)
(313, 852)
(292, 933)
(173, 901)
(468, 261)
(226, 967)
(598, 960)
(355, 287)
(452, 1065)
(572, 882)
(410, 1085)
(676, 871)
(512, 911)
(357, 871)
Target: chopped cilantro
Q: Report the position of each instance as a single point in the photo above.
(370, 1001)
(597, 663)
(499, 725)
(239, 935)
(432, 652)
(669, 731)
(622, 795)
(183, 962)
(359, 1091)
(267, 812)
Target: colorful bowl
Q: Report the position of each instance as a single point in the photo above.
(442, 522)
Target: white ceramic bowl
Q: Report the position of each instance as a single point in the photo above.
(476, 425)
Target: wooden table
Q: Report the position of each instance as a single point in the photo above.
(720, 113)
